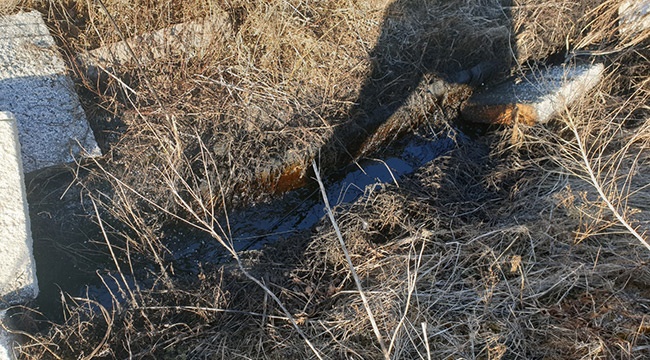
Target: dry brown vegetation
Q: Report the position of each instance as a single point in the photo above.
(521, 243)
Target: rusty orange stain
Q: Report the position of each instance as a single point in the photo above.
(500, 114)
(278, 181)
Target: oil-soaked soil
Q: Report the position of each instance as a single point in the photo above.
(71, 253)
(64, 233)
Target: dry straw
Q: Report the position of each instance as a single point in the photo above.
(507, 247)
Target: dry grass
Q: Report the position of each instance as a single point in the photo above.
(8, 6)
(279, 85)
(526, 242)
(550, 28)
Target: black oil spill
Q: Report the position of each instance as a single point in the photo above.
(63, 232)
(299, 210)
(71, 257)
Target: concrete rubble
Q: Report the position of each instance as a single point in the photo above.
(634, 17)
(18, 281)
(42, 124)
(189, 39)
(34, 86)
(5, 340)
(533, 99)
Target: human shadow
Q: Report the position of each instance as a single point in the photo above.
(442, 48)
(429, 56)
(426, 49)
(431, 47)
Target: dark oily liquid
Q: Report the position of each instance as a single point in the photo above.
(71, 255)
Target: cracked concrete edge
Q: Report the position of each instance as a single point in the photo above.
(18, 281)
(189, 39)
(575, 83)
(35, 87)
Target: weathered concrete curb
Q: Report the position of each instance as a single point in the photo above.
(634, 17)
(5, 340)
(35, 87)
(363, 136)
(188, 39)
(534, 99)
(17, 268)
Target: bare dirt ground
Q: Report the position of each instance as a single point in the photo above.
(523, 242)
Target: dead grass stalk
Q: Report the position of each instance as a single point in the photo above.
(507, 247)
(353, 272)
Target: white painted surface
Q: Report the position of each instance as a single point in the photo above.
(17, 268)
(35, 87)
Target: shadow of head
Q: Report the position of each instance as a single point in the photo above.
(457, 41)
(442, 37)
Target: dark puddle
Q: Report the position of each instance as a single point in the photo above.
(302, 209)
(63, 232)
(72, 259)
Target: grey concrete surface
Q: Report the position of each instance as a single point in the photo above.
(634, 17)
(534, 99)
(35, 87)
(5, 340)
(186, 39)
(17, 267)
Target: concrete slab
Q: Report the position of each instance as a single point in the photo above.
(187, 39)
(35, 88)
(634, 17)
(5, 340)
(361, 137)
(534, 99)
(17, 268)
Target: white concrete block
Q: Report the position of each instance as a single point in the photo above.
(17, 267)
(5, 341)
(35, 87)
(634, 17)
(533, 99)
(187, 39)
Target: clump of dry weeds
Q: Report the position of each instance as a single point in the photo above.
(508, 247)
(280, 81)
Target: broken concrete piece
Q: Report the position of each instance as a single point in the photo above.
(17, 268)
(5, 340)
(634, 17)
(534, 99)
(189, 39)
(362, 136)
(34, 86)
